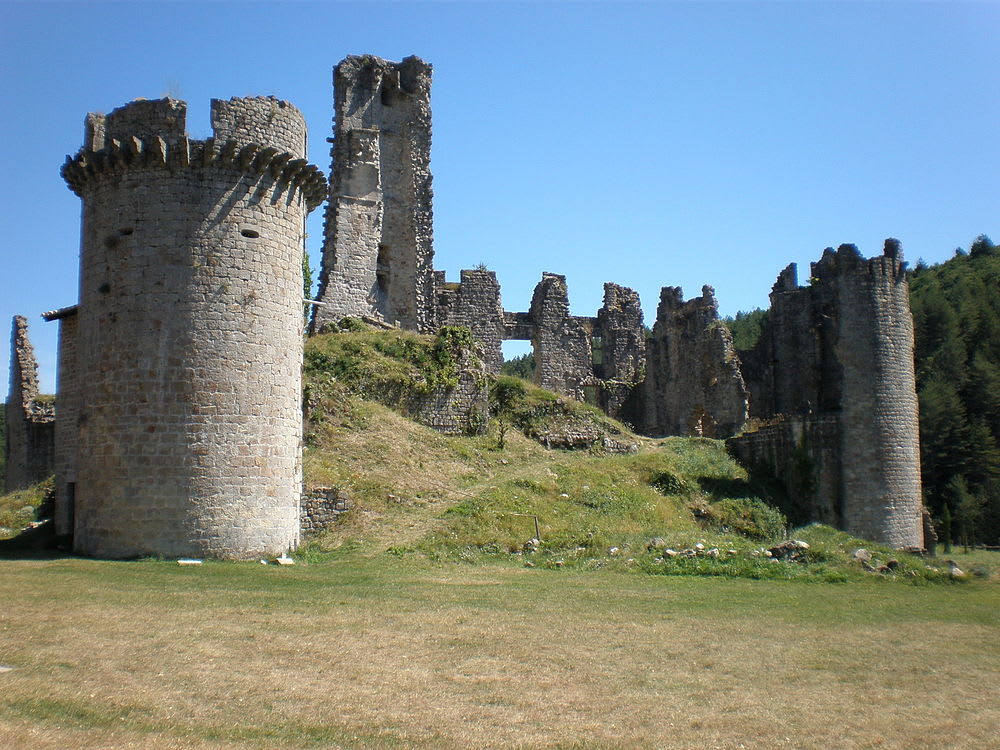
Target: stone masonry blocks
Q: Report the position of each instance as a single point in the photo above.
(30, 447)
(842, 348)
(378, 254)
(693, 382)
(189, 335)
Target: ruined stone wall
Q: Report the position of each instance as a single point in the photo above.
(563, 354)
(67, 416)
(189, 330)
(804, 453)
(474, 303)
(562, 342)
(623, 347)
(463, 409)
(693, 384)
(843, 347)
(378, 243)
(321, 507)
(30, 446)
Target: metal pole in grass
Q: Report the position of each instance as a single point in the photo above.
(538, 533)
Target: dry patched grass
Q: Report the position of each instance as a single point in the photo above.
(370, 652)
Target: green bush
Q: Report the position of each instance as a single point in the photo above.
(747, 516)
(668, 483)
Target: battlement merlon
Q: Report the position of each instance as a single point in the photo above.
(847, 259)
(410, 76)
(255, 135)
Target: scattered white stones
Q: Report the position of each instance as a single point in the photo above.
(5, 669)
(188, 561)
(284, 560)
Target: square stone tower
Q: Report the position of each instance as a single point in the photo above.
(378, 253)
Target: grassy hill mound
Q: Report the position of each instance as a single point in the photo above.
(673, 506)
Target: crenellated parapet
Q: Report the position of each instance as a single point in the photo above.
(258, 136)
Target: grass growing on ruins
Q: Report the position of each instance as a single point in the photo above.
(388, 652)
(19, 509)
(419, 494)
(384, 366)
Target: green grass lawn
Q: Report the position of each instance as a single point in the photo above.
(376, 651)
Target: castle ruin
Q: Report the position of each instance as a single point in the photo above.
(179, 397)
(31, 420)
(179, 408)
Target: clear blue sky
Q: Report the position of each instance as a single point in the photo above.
(648, 144)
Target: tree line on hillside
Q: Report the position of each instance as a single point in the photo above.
(956, 317)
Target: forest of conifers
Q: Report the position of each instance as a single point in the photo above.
(956, 316)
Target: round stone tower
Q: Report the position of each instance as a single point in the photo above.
(190, 330)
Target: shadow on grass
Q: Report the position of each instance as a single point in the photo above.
(726, 487)
(37, 543)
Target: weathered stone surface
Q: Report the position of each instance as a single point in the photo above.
(188, 335)
(563, 354)
(623, 348)
(321, 507)
(30, 447)
(378, 251)
(474, 303)
(835, 361)
(460, 410)
(68, 413)
(693, 383)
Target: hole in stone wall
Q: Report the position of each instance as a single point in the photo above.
(519, 359)
(250, 233)
(125, 231)
(597, 354)
(382, 268)
(104, 288)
